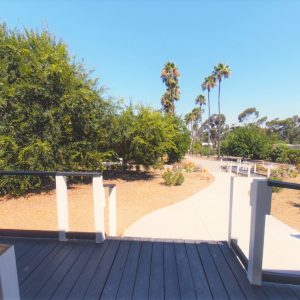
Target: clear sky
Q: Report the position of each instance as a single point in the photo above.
(126, 43)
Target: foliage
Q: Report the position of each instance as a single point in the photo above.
(189, 166)
(247, 114)
(288, 129)
(169, 76)
(173, 178)
(143, 136)
(276, 189)
(250, 141)
(282, 154)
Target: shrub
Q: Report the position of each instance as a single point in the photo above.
(173, 178)
(274, 188)
(189, 166)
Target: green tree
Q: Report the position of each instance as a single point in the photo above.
(248, 115)
(249, 142)
(208, 84)
(201, 101)
(220, 71)
(169, 76)
(52, 115)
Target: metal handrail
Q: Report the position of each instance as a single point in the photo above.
(51, 173)
(284, 184)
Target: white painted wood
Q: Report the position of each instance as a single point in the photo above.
(260, 200)
(230, 167)
(9, 286)
(269, 171)
(254, 168)
(249, 170)
(112, 208)
(99, 204)
(238, 169)
(230, 210)
(62, 206)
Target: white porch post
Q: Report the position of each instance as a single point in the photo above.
(99, 204)
(62, 206)
(9, 286)
(230, 209)
(112, 207)
(260, 201)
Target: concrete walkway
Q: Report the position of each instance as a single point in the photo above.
(204, 216)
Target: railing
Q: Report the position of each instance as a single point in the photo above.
(260, 202)
(62, 200)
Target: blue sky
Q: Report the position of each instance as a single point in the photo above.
(126, 43)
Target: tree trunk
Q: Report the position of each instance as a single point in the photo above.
(219, 123)
(208, 91)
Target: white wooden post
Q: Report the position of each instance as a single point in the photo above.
(230, 209)
(9, 286)
(62, 206)
(230, 167)
(254, 168)
(237, 169)
(269, 171)
(99, 204)
(260, 201)
(249, 170)
(112, 207)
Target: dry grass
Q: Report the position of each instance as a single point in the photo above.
(137, 195)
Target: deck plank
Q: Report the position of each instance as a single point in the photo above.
(34, 259)
(96, 285)
(252, 292)
(88, 272)
(271, 292)
(186, 285)
(66, 285)
(129, 274)
(141, 286)
(285, 292)
(37, 279)
(156, 286)
(114, 278)
(198, 275)
(215, 283)
(170, 271)
(63, 266)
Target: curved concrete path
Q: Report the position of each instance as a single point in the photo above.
(203, 216)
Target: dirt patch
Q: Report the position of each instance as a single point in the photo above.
(286, 205)
(137, 195)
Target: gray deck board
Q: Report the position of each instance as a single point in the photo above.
(129, 274)
(66, 285)
(127, 269)
(156, 287)
(142, 281)
(172, 290)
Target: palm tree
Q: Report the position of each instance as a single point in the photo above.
(201, 101)
(220, 71)
(208, 84)
(169, 76)
(188, 118)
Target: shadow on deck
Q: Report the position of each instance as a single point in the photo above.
(135, 269)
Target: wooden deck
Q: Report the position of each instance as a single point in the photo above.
(135, 269)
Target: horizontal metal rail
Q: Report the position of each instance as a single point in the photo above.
(283, 184)
(51, 173)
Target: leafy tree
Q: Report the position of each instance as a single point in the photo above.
(220, 71)
(143, 136)
(249, 141)
(288, 129)
(247, 114)
(169, 76)
(208, 84)
(217, 123)
(52, 115)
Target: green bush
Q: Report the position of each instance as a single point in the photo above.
(274, 188)
(173, 178)
(250, 141)
(282, 154)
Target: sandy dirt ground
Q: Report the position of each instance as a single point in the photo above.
(286, 205)
(137, 195)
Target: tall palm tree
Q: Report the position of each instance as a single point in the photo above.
(169, 76)
(200, 100)
(208, 84)
(220, 71)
